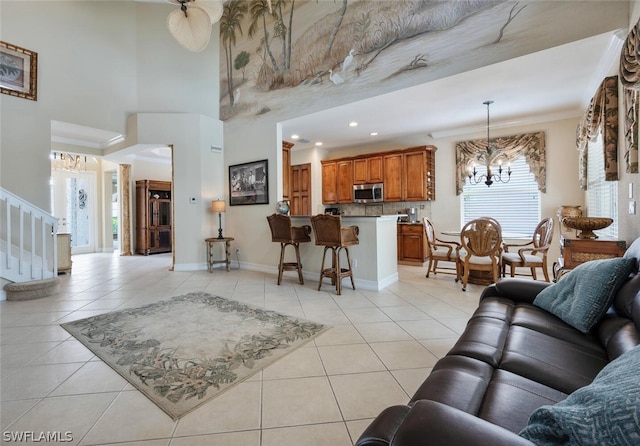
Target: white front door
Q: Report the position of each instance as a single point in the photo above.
(75, 207)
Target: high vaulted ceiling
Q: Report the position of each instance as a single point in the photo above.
(553, 84)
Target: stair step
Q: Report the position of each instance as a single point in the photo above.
(35, 289)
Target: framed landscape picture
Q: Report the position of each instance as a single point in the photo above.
(249, 183)
(18, 71)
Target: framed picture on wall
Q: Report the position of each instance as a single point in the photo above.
(18, 71)
(249, 183)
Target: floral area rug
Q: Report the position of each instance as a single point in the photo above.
(186, 350)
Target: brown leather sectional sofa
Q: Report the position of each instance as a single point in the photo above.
(512, 358)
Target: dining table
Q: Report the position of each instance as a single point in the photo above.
(505, 235)
(485, 277)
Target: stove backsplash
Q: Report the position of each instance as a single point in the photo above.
(423, 207)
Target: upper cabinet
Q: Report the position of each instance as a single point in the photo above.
(393, 176)
(418, 174)
(329, 182)
(407, 174)
(367, 170)
(337, 181)
(345, 181)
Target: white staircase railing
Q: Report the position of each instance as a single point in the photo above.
(28, 240)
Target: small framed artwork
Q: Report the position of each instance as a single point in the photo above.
(18, 71)
(249, 183)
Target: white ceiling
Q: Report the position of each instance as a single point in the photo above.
(553, 84)
(557, 83)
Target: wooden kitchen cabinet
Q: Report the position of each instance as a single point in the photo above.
(418, 179)
(153, 216)
(393, 177)
(337, 181)
(411, 243)
(368, 170)
(329, 182)
(407, 175)
(344, 190)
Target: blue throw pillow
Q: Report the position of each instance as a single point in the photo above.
(606, 412)
(583, 295)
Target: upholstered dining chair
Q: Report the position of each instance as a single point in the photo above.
(330, 233)
(480, 248)
(532, 254)
(287, 235)
(440, 251)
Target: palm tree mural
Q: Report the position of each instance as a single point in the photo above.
(272, 74)
(230, 25)
(336, 27)
(258, 11)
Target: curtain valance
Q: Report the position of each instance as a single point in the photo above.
(630, 79)
(529, 145)
(601, 117)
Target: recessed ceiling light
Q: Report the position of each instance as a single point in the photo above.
(318, 143)
(294, 136)
(353, 124)
(373, 134)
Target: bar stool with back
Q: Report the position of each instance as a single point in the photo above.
(330, 233)
(282, 232)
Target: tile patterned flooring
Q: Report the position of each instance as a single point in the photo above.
(381, 347)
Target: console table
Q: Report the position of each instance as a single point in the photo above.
(227, 249)
(575, 251)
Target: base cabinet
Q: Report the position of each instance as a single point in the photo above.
(153, 216)
(411, 243)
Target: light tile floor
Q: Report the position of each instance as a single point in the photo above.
(381, 347)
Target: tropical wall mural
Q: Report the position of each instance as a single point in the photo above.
(301, 56)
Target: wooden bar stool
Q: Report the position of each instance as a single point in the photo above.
(333, 236)
(282, 232)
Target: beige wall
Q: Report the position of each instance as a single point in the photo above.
(99, 63)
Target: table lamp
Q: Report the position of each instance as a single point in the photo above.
(219, 207)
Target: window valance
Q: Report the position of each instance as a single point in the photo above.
(601, 117)
(631, 100)
(529, 145)
(630, 79)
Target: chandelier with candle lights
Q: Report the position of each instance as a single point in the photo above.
(491, 157)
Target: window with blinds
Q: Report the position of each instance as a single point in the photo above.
(516, 204)
(602, 196)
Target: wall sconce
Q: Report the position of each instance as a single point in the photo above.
(219, 207)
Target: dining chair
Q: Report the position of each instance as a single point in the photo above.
(330, 233)
(287, 235)
(440, 251)
(532, 254)
(480, 248)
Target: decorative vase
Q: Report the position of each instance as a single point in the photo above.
(567, 210)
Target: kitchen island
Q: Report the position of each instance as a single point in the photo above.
(374, 259)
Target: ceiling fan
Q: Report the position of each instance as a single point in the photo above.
(191, 24)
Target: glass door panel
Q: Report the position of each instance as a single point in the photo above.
(74, 206)
(164, 213)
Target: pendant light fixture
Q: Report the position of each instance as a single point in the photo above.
(191, 24)
(489, 157)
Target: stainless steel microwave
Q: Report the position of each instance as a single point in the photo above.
(368, 193)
